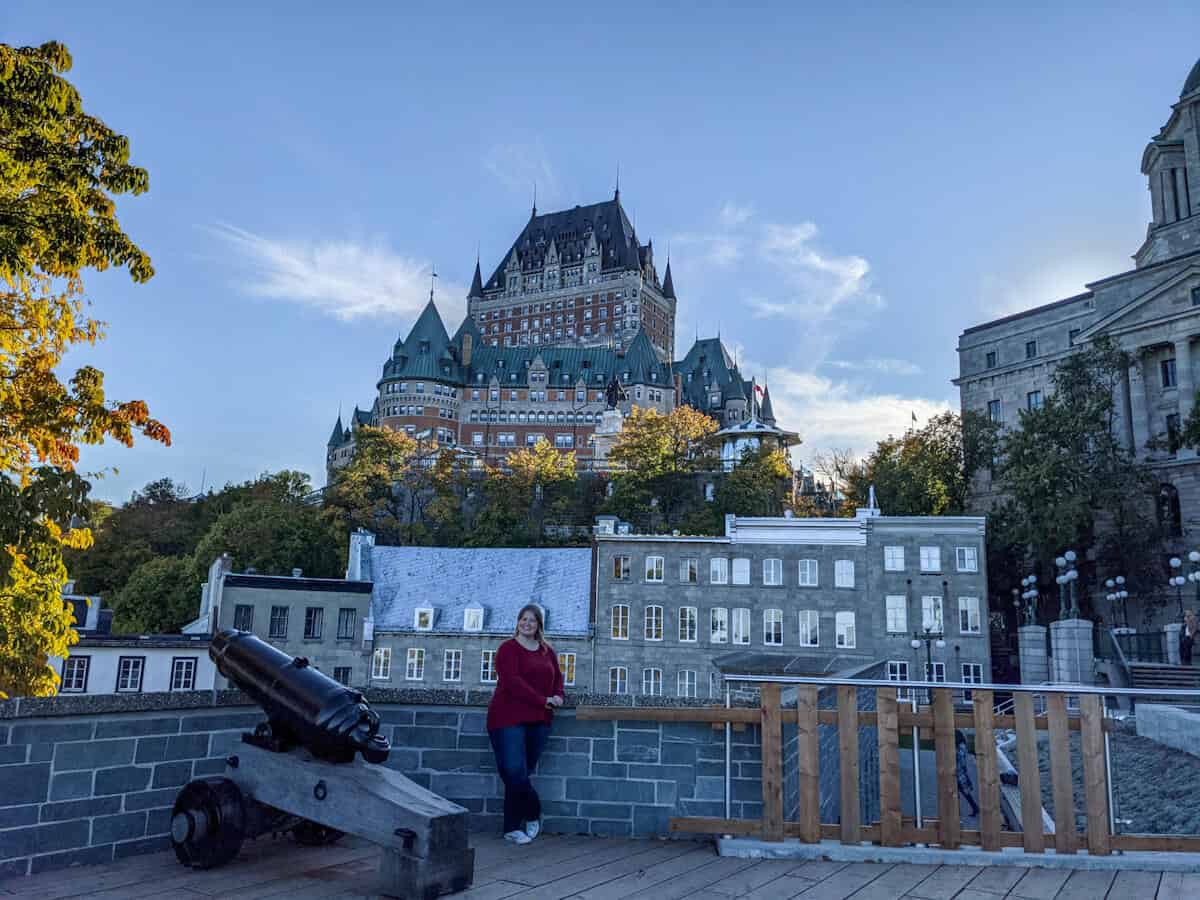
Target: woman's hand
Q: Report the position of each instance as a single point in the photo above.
(554, 701)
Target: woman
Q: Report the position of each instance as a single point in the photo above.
(528, 690)
(1187, 637)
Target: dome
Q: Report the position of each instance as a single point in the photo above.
(1193, 80)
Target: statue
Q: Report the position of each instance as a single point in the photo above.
(614, 393)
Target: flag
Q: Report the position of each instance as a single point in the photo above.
(914, 418)
(758, 389)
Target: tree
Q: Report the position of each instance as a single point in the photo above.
(371, 492)
(519, 500)
(59, 171)
(759, 485)
(160, 596)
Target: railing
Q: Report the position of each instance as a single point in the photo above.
(1142, 646)
(890, 719)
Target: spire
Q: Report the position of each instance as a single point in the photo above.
(533, 214)
(668, 284)
(476, 292)
(337, 436)
(617, 192)
(766, 414)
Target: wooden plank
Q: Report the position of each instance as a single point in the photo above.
(1060, 774)
(989, 771)
(888, 730)
(620, 888)
(772, 763)
(1086, 886)
(808, 763)
(1029, 778)
(696, 882)
(847, 709)
(1095, 776)
(705, 825)
(946, 882)
(1178, 886)
(1167, 843)
(949, 821)
(1041, 884)
(1135, 884)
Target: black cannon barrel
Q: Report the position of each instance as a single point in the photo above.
(304, 706)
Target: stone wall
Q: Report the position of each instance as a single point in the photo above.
(1169, 725)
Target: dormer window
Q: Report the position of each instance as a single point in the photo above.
(423, 618)
(424, 347)
(473, 620)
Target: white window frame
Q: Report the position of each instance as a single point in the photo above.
(652, 623)
(566, 665)
(686, 683)
(75, 675)
(618, 680)
(655, 569)
(423, 618)
(718, 625)
(936, 673)
(689, 624)
(381, 664)
(893, 559)
(452, 665)
(718, 570)
(126, 682)
(895, 613)
(809, 620)
(897, 670)
(773, 627)
(621, 568)
(414, 664)
(652, 682)
(619, 622)
(772, 572)
(972, 673)
(741, 570)
(931, 559)
(809, 573)
(314, 623)
(689, 570)
(487, 667)
(966, 559)
(933, 614)
(739, 627)
(968, 611)
(845, 635)
(843, 573)
(187, 664)
(472, 620)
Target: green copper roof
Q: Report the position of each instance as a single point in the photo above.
(336, 437)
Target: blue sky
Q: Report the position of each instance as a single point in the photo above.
(843, 187)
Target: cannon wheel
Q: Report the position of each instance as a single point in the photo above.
(208, 822)
(314, 834)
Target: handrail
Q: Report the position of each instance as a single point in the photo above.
(1057, 688)
(1124, 663)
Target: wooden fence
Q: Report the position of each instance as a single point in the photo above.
(892, 716)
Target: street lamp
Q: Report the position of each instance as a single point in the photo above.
(1177, 581)
(930, 640)
(1030, 596)
(1066, 579)
(1117, 595)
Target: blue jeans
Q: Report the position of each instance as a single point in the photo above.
(517, 749)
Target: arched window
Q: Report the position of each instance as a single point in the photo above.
(1169, 513)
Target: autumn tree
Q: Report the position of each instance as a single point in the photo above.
(59, 171)
(517, 501)
(370, 492)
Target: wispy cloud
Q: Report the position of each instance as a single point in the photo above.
(346, 279)
(522, 166)
(721, 250)
(815, 283)
(733, 215)
(881, 366)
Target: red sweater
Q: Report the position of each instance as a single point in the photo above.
(525, 679)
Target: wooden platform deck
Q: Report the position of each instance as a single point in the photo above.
(581, 868)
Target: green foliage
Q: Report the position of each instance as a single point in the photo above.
(380, 489)
(160, 596)
(759, 485)
(535, 486)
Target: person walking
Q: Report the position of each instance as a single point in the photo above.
(1187, 637)
(529, 688)
(966, 788)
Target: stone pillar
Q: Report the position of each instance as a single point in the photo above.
(1172, 631)
(1031, 650)
(1140, 403)
(1187, 385)
(1073, 659)
(1125, 405)
(605, 436)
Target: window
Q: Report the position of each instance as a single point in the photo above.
(990, 362)
(1167, 369)
(654, 568)
(346, 619)
(893, 559)
(414, 669)
(994, 413)
(773, 626)
(342, 674)
(566, 664)
(1074, 333)
(1030, 349)
(772, 571)
(620, 622)
(279, 622)
(741, 571)
(931, 615)
(621, 568)
(689, 571)
(473, 620)
(183, 673)
(718, 631)
(652, 682)
(935, 673)
(129, 674)
(718, 571)
(654, 623)
(423, 618)
(808, 573)
(452, 665)
(687, 624)
(1033, 400)
(897, 670)
(75, 675)
(487, 666)
(967, 559)
(243, 617)
(844, 630)
(381, 664)
(687, 683)
(618, 678)
(1196, 296)
(564, 440)
(741, 626)
(810, 635)
(972, 673)
(931, 559)
(1173, 427)
(314, 621)
(896, 608)
(843, 573)
(968, 615)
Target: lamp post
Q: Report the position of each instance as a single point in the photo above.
(1016, 602)
(930, 640)
(1117, 595)
(1194, 575)
(1066, 579)
(1177, 581)
(1030, 596)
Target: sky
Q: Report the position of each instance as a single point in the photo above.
(843, 188)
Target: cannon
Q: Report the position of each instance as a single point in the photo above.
(300, 772)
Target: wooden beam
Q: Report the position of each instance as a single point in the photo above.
(1029, 777)
(808, 763)
(1060, 774)
(703, 825)
(847, 709)
(772, 763)
(1170, 843)
(989, 771)
(1095, 776)
(949, 821)
(888, 730)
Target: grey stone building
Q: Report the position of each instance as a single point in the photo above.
(1152, 310)
(438, 614)
(789, 595)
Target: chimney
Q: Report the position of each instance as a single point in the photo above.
(467, 343)
(296, 573)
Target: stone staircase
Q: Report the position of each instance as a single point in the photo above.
(1153, 676)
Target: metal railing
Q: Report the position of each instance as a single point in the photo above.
(1142, 646)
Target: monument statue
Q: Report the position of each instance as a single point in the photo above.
(614, 393)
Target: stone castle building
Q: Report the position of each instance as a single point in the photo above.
(575, 305)
(1152, 310)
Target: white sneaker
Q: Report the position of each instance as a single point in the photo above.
(533, 829)
(518, 837)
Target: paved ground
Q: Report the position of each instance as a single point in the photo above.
(579, 868)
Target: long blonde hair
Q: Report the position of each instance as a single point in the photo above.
(537, 614)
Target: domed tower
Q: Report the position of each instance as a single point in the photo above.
(421, 384)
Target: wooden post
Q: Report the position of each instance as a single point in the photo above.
(1029, 777)
(1060, 773)
(888, 727)
(989, 771)
(949, 820)
(772, 763)
(808, 761)
(1095, 776)
(847, 707)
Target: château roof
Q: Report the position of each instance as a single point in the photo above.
(668, 288)
(1193, 80)
(425, 353)
(709, 355)
(336, 437)
(476, 284)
